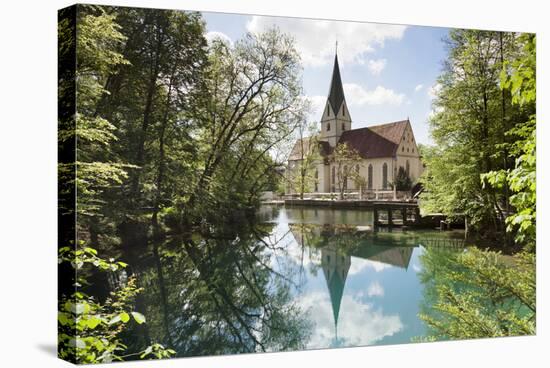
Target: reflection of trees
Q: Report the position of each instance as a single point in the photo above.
(217, 294)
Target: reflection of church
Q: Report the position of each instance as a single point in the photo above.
(336, 262)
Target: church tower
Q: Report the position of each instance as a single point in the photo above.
(336, 118)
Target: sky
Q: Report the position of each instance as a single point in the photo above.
(388, 71)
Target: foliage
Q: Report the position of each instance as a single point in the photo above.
(471, 115)
(478, 294)
(402, 180)
(520, 79)
(252, 106)
(301, 174)
(172, 128)
(345, 159)
(88, 330)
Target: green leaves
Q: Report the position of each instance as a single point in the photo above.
(138, 317)
(478, 294)
(97, 325)
(125, 317)
(483, 121)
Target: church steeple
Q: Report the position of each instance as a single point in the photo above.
(336, 93)
(335, 119)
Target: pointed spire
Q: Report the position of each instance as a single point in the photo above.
(336, 93)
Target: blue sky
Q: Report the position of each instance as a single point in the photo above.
(389, 72)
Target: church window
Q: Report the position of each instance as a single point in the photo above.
(369, 177)
(346, 177)
(343, 111)
(385, 176)
(403, 149)
(328, 111)
(328, 127)
(333, 178)
(343, 126)
(316, 180)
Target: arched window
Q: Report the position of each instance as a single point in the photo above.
(402, 148)
(343, 126)
(316, 180)
(328, 127)
(343, 111)
(385, 176)
(369, 177)
(408, 167)
(345, 177)
(328, 111)
(333, 178)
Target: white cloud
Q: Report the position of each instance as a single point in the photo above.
(375, 289)
(356, 95)
(360, 264)
(418, 87)
(376, 66)
(416, 268)
(315, 39)
(317, 104)
(358, 324)
(433, 91)
(211, 36)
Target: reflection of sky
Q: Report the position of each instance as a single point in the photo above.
(379, 303)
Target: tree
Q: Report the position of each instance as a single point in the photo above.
(95, 168)
(519, 77)
(471, 116)
(302, 176)
(402, 180)
(345, 160)
(150, 101)
(253, 104)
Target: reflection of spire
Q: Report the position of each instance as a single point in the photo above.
(335, 268)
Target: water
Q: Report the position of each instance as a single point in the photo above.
(293, 279)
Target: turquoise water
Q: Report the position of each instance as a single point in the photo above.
(288, 279)
(359, 287)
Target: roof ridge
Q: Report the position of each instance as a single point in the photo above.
(390, 123)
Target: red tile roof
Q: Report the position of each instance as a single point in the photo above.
(375, 141)
(368, 143)
(371, 142)
(391, 131)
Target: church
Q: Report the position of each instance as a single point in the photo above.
(383, 148)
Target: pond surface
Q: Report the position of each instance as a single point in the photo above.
(295, 278)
